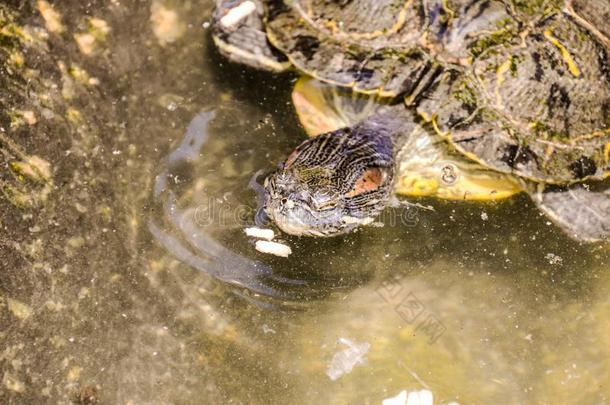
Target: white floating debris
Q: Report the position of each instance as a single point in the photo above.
(274, 248)
(484, 216)
(354, 220)
(400, 399)
(423, 397)
(344, 361)
(553, 259)
(260, 233)
(238, 13)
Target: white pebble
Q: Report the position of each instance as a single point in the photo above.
(274, 248)
(267, 234)
(236, 14)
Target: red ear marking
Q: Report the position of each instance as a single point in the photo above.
(370, 180)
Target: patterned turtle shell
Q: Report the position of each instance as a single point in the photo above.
(522, 87)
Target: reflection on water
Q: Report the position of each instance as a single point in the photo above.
(467, 293)
(476, 303)
(213, 258)
(434, 299)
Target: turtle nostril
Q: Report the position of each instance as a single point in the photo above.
(287, 203)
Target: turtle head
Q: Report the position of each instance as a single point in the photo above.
(331, 184)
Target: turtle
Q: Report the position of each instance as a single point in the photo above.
(454, 99)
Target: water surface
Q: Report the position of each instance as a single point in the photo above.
(153, 293)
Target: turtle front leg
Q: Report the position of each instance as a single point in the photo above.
(580, 211)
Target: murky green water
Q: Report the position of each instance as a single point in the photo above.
(139, 285)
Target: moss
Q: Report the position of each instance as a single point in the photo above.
(98, 28)
(541, 130)
(515, 60)
(74, 116)
(79, 74)
(466, 94)
(26, 180)
(95, 34)
(501, 37)
(537, 7)
(33, 169)
(11, 34)
(15, 196)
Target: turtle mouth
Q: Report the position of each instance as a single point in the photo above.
(294, 225)
(298, 211)
(296, 217)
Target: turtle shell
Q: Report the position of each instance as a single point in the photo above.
(539, 109)
(391, 47)
(369, 45)
(520, 87)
